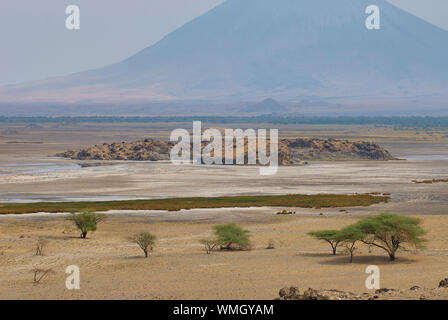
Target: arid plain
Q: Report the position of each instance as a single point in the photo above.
(113, 267)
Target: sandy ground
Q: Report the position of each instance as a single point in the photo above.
(112, 267)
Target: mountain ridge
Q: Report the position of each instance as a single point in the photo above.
(245, 50)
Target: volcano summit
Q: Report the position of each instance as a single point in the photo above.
(249, 50)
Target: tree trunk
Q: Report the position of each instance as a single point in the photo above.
(84, 235)
(392, 256)
(334, 251)
(146, 253)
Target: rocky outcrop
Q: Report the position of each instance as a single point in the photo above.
(332, 149)
(443, 283)
(413, 293)
(291, 151)
(146, 150)
(294, 293)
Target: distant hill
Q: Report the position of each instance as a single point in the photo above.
(266, 106)
(247, 50)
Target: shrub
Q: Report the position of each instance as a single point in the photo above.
(145, 241)
(330, 236)
(40, 274)
(209, 244)
(40, 244)
(231, 236)
(86, 221)
(391, 232)
(286, 212)
(271, 244)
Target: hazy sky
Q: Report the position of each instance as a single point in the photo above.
(35, 44)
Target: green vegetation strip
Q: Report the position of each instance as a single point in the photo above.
(174, 204)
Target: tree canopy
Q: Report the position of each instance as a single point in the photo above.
(86, 221)
(231, 235)
(330, 236)
(145, 241)
(389, 232)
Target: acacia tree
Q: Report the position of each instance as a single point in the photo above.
(330, 236)
(391, 232)
(231, 236)
(348, 237)
(145, 241)
(86, 221)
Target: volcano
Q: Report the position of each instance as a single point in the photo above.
(249, 50)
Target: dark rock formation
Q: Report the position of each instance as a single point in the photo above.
(291, 151)
(294, 293)
(332, 149)
(443, 283)
(414, 293)
(146, 150)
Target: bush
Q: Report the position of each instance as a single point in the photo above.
(209, 244)
(86, 221)
(271, 244)
(145, 241)
(40, 244)
(286, 212)
(330, 236)
(231, 237)
(40, 274)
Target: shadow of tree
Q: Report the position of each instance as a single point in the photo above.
(366, 260)
(316, 254)
(140, 257)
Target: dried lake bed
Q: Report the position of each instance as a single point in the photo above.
(64, 180)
